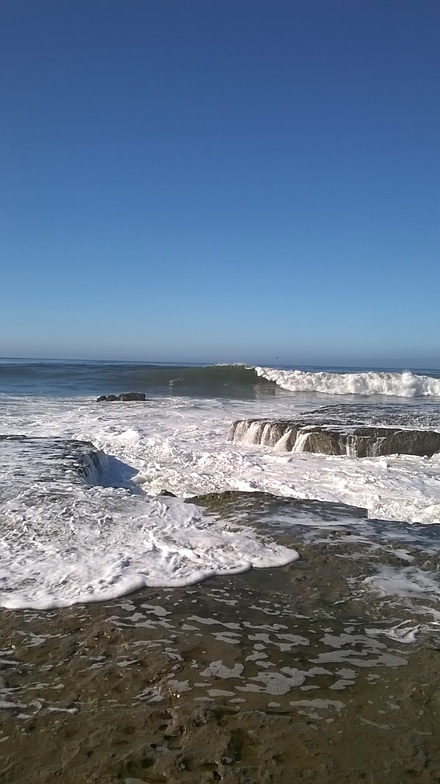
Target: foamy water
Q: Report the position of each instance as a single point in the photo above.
(106, 542)
(395, 384)
(114, 534)
(182, 446)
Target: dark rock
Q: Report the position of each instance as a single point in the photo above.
(232, 502)
(124, 396)
(325, 439)
(132, 396)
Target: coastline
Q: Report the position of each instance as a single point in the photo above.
(325, 670)
(275, 675)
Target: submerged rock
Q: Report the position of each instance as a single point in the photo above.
(236, 503)
(288, 436)
(124, 396)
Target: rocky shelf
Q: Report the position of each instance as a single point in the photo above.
(296, 436)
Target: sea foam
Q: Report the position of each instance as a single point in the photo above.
(64, 541)
(404, 384)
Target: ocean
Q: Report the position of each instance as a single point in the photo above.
(110, 532)
(215, 574)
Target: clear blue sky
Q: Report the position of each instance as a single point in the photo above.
(221, 180)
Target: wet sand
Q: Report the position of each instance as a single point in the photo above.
(272, 676)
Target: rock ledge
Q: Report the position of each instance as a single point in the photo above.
(289, 436)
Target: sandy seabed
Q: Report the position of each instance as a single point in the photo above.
(283, 675)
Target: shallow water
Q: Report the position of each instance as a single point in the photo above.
(270, 676)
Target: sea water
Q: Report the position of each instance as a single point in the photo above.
(95, 524)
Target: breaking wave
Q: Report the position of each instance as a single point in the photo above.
(393, 384)
(232, 381)
(71, 378)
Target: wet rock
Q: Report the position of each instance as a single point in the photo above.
(125, 691)
(132, 396)
(229, 503)
(124, 396)
(289, 436)
(48, 459)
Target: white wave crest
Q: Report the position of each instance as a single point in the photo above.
(404, 384)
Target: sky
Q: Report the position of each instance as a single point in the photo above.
(221, 180)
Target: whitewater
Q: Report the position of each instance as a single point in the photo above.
(381, 383)
(69, 541)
